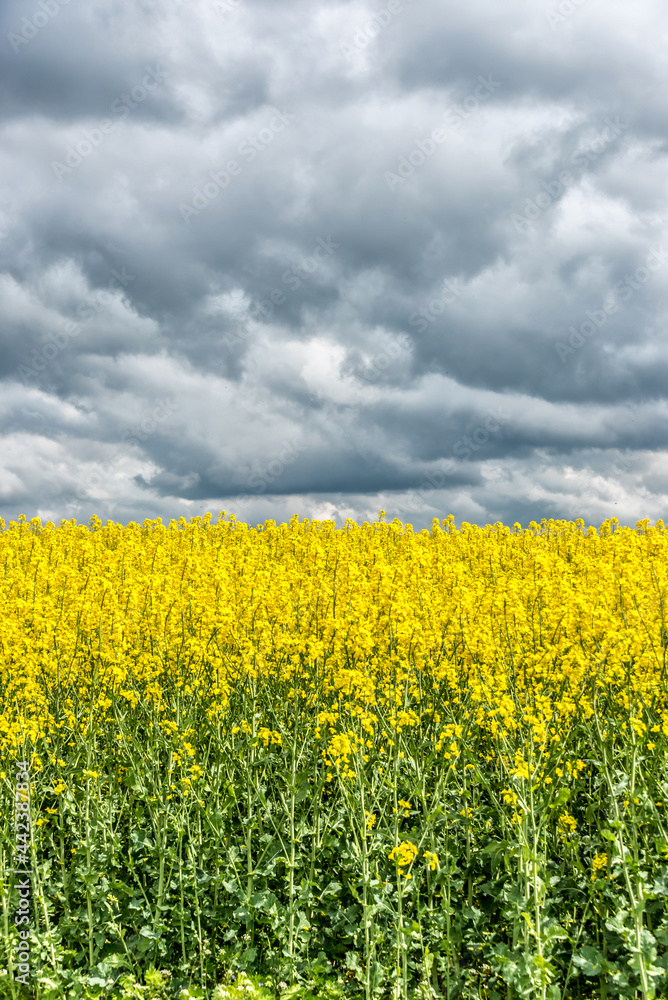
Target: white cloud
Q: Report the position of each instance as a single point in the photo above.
(182, 387)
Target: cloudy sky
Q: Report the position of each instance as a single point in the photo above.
(331, 256)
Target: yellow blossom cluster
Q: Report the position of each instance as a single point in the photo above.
(524, 625)
(431, 859)
(567, 825)
(598, 862)
(404, 855)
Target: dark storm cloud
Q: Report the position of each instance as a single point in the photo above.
(332, 257)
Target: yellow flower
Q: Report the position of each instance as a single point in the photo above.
(567, 825)
(598, 861)
(404, 854)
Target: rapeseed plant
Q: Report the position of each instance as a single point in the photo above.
(417, 762)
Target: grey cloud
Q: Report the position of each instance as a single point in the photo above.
(333, 382)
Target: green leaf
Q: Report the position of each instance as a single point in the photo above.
(589, 960)
(332, 889)
(592, 811)
(352, 961)
(562, 798)
(248, 956)
(148, 932)
(660, 886)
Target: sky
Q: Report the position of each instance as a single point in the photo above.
(327, 258)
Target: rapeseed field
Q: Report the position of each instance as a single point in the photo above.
(302, 760)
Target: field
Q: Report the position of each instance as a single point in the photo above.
(365, 761)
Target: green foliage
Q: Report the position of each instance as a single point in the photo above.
(245, 871)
